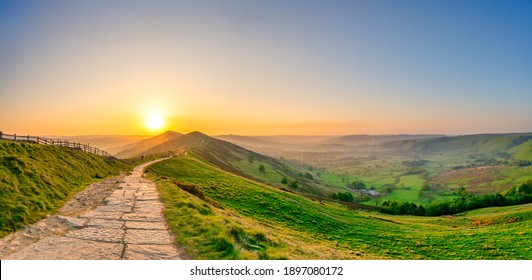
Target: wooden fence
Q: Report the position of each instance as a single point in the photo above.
(57, 142)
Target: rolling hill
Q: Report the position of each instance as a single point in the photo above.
(515, 143)
(233, 158)
(370, 140)
(305, 142)
(219, 215)
(158, 144)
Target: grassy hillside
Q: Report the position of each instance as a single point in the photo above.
(246, 163)
(36, 180)
(500, 233)
(523, 151)
(235, 159)
(480, 143)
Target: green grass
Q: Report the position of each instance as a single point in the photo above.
(209, 231)
(356, 234)
(408, 190)
(413, 182)
(246, 163)
(36, 180)
(523, 151)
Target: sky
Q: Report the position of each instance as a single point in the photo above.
(280, 67)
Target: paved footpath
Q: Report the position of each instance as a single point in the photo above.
(129, 225)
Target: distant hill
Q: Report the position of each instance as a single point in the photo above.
(252, 141)
(275, 145)
(158, 144)
(109, 143)
(264, 144)
(365, 140)
(514, 143)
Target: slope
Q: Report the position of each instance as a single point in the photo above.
(36, 180)
(498, 233)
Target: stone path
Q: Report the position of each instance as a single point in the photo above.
(128, 225)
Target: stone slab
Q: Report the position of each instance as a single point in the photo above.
(142, 236)
(65, 248)
(98, 234)
(103, 215)
(151, 252)
(145, 225)
(106, 223)
(143, 217)
(115, 208)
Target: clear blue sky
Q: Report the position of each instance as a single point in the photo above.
(267, 67)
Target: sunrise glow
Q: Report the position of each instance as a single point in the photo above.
(265, 67)
(154, 122)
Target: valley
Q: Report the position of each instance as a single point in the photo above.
(298, 197)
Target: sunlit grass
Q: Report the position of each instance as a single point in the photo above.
(358, 234)
(36, 180)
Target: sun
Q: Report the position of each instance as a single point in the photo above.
(154, 121)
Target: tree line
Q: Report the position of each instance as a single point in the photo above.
(516, 195)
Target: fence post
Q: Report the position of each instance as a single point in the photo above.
(14, 137)
(0, 134)
(28, 138)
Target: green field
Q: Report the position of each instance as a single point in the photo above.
(499, 233)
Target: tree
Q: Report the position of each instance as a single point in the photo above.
(358, 185)
(262, 168)
(294, 184)
(462, 191)
(377, 199)
(347, 196)
(284, 181)
(526, 188)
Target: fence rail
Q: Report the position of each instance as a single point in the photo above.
(56, 142)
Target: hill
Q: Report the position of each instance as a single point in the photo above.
(158, 144)
(515, 143)
(262, 168)
(370, 140)
(219, 215)
(36, 180)
(233, 158)
(298, 143)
